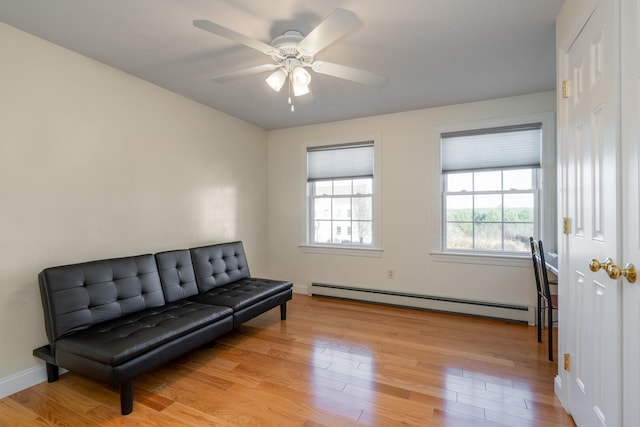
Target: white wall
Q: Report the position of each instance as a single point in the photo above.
(96, 163)
(407, 192)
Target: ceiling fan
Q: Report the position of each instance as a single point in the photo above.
(292, 52)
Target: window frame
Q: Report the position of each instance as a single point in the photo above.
(544, 214)
(307, 245)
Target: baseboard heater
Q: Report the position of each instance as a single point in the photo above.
(517, 313)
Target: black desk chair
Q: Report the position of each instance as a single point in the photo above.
(546, 301)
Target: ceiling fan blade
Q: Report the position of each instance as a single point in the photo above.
(245, 72)
(219, 30)
(335, 26)
(349, 73)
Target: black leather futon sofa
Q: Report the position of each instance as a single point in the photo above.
(115, 319)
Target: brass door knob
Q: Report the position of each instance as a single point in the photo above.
(596, 265)
(629, 272)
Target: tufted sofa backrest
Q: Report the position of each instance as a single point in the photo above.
(77, 296)
(176, 274)
(218, 265)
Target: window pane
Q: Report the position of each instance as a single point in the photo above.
(343, 236)
(342, 208)
(460, 235)
(488, 237)
(362, 232)
(516, 237)
(518, 207)
(363, 186)
(322, 208)
(459, 182)
(362, 208)
(487, 181)
(488, 208)
(342, 187)
(459, 208)
(322, 232)
(323, 188)
(518, 179)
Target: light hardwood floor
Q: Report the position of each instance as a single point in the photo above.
(331, 363)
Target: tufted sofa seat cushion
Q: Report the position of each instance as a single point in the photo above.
(243, 293)
(119, 340)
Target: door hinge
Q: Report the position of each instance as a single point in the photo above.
(566, 225)
(566, 88)
(567, 362)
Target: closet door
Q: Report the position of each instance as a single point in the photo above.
(590, 304)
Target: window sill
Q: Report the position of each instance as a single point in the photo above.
(342, 250)
(483, 259)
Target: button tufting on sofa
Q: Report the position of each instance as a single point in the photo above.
(115, 319)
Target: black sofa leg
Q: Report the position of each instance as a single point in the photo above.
(126, 398)
(52, 373)
(46, 354)
(283, 311)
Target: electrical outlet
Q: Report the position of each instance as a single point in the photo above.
(391, 274)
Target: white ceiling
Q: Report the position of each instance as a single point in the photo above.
(434, 52)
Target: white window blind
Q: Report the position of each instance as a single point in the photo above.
(493, 148)
(336, 162)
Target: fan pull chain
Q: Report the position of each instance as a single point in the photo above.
(290, 89)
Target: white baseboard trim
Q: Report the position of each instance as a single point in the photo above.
(23, 380)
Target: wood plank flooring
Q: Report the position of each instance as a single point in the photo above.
(331, 363)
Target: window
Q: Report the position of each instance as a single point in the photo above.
(340, 181)
(490, 192)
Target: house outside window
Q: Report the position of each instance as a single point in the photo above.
(491, 189)
(340, 189)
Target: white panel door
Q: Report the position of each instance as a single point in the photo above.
(630, 94)
(593, 300)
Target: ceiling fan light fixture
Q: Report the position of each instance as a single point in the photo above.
(300, 90)
(300, 80)
(300, 77)
(276, 79)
